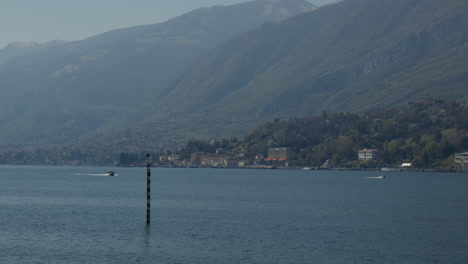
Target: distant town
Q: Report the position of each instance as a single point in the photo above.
(277, 158)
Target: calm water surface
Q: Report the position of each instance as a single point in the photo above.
(74, 215)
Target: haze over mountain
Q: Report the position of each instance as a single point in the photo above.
(358, 55)
(52, 95)
(46, 20)
(198, 79)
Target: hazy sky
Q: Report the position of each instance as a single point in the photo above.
(45, 20)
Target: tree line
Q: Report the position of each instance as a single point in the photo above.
(426, 134)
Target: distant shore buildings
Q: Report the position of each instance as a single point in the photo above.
(278, 157)
(461, 161)
(368, 154)
(279, 154)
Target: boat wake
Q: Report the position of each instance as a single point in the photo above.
(96, 175)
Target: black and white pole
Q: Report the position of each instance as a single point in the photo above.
(148, 190)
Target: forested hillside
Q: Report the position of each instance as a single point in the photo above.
(357, 56)
(426, 134)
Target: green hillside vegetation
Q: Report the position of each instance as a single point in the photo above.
(357, 56)
(425, 134)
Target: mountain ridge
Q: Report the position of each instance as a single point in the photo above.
(358, 55)
(77, 87)
(371, 64)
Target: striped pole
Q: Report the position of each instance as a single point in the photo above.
(148, 190)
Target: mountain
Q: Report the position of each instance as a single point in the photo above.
(153, 86)
(55, 95)
(16, 49)
(357, 55)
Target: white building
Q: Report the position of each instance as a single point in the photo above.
(368, 154)
(461, 161)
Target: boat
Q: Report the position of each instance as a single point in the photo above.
(377, 177)
(110, 173)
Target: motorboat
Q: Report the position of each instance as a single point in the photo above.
(110, 173)
(377, 177)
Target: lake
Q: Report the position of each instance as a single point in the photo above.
(75, 215)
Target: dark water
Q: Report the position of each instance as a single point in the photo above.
(73, 215)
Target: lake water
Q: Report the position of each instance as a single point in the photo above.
(73, 215)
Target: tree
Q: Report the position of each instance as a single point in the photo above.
(433, 150)
(464, 143)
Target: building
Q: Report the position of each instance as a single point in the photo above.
(279, 154)
(368, 154)
(163, 158)
(214, 162)
(461, 161)
(243, 163)
(406, 165)
(195, 157)
(230, 163)
(173, 158)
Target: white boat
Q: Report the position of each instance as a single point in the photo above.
(377, 177)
